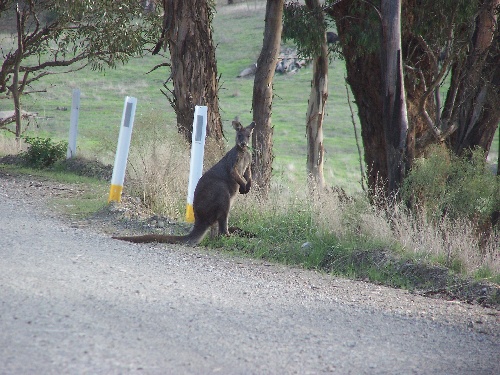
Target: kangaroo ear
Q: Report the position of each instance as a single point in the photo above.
(237, 125)
(251, 126)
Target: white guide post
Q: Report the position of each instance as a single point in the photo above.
(73, 125)
(197, 152)
(121, 156)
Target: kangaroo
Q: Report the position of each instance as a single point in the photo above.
(215, 192)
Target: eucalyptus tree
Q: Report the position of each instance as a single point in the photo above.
(58, 36)
(306, 26)
(187, 31)
(394, 115)
(262, 100)
(446, 44)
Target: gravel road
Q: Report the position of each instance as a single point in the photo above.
(74, 301)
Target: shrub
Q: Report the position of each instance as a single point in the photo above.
(43, 152)
(443, 184)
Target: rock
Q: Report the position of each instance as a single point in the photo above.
(249, 71)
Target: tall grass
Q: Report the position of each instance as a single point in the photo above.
(297, 229)
(158, 167)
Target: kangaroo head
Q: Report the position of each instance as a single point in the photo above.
(243, 134)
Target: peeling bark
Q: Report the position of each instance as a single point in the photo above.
(316, 112)
(194, 68)
(394, 107)
(262, 139)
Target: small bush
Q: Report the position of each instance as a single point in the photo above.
(459, 188)
(43, 152)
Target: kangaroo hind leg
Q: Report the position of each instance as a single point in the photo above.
(214, 230)
(223, 225)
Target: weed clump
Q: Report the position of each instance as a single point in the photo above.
(43, 152)
(444, 185)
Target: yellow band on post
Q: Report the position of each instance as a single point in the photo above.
(189, 213)
(115, 193)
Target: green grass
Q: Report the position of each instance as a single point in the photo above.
(291, 92)
(91, 201)
(103, 93)
(101, 103)
(238, 34)
(54, 174)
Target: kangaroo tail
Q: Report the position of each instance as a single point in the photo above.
(193, 238)
(147, 238)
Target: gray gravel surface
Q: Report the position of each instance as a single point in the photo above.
(73, 301)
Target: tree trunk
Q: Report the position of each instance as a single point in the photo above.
(15, 88)
(262, 139)
(478, 113)
(470, 114)
(394, 106)
(194, 69)
(363, 76)
(498, 157)
(316, 111)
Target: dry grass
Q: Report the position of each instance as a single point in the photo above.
(453, 242)
(159, 168)
(9, 145)
(354, 221)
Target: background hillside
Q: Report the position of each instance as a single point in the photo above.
(238, 34)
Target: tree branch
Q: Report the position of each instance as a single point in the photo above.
(361, 169)
(159, 66)
(436, 127)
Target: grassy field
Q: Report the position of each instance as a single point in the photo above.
(238, 33)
